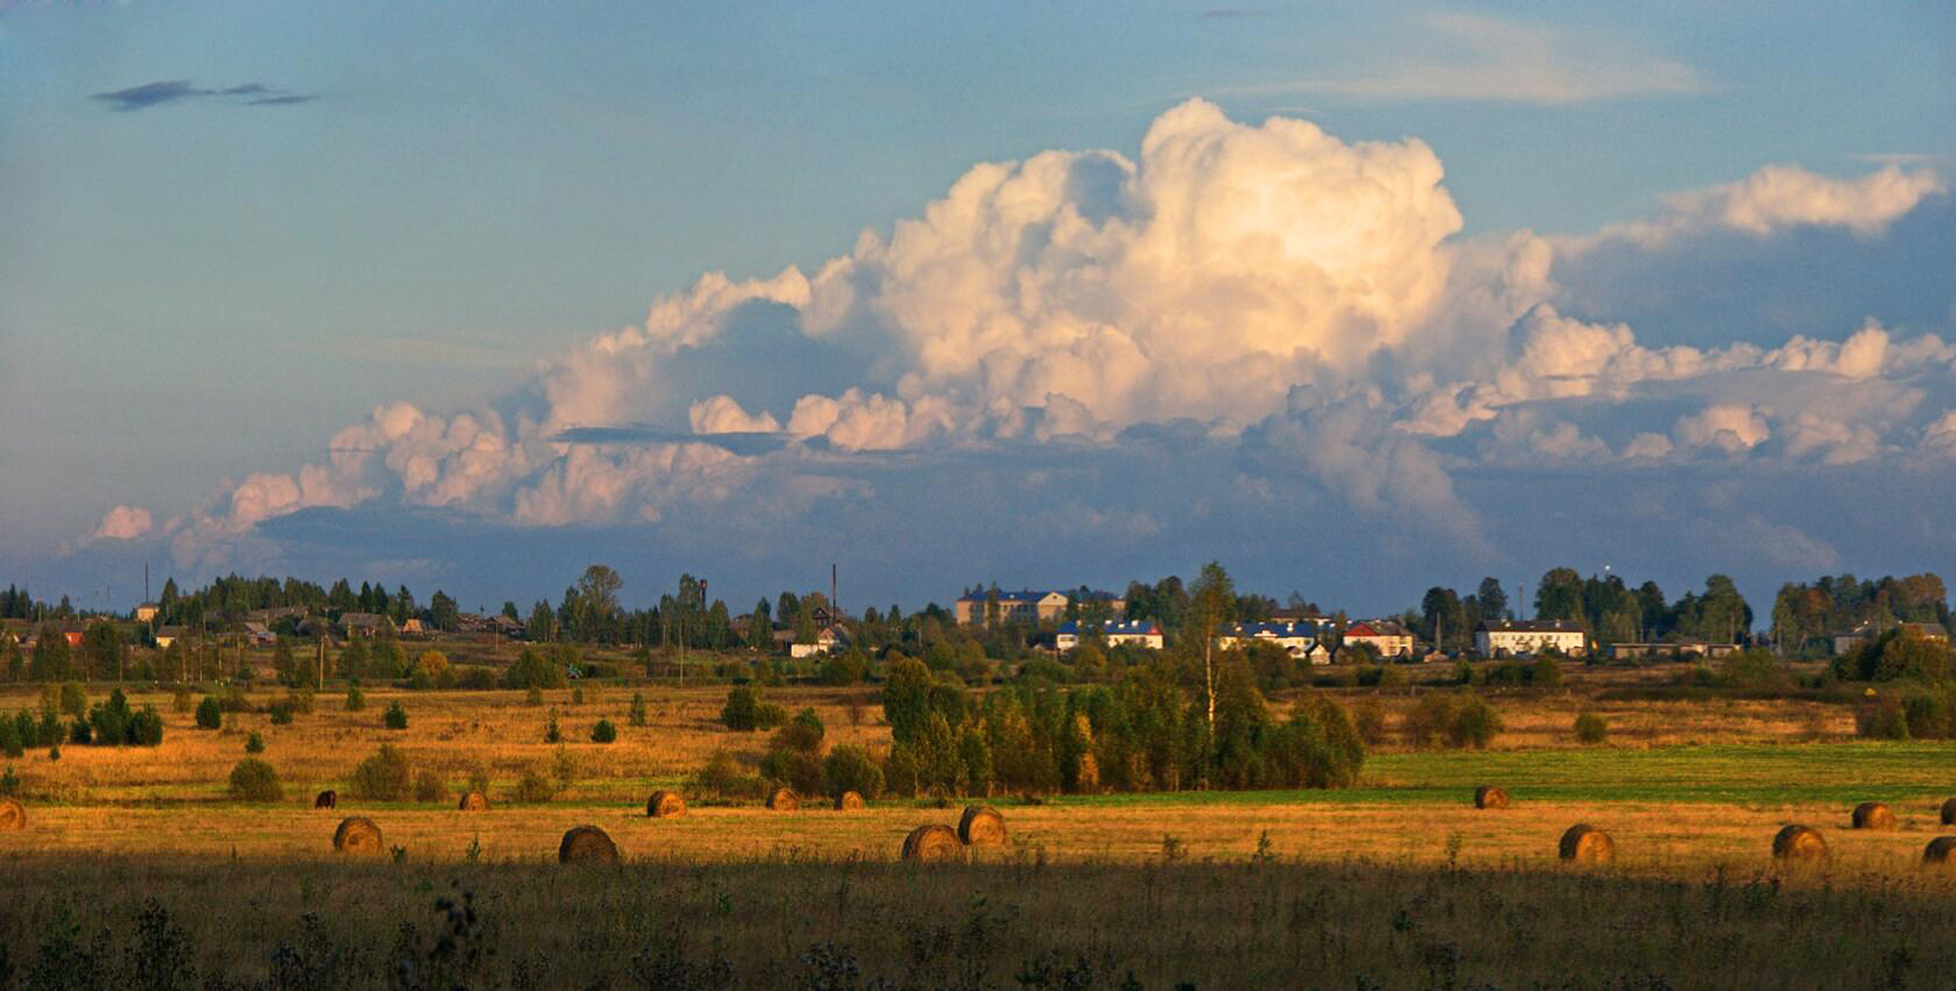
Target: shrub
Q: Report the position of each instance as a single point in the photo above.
(1885, 719)
(81, 732)
(604, 732)
(801, 771)
(300, 703)
(533, 670)
(180, 700)
(769, 715)
(356, 700)
(846, 668)
(146, 728)
(1931, 714)
(534, 786)
(429, 787)
(111, 719)
(1428, 720)
(432, 669)
(74, 701)
(475, 677)
(551, 733)
(281, 714)
(722, 775)
(1591, 728)
(1546, 672)
(802, 735)
(741, 713)
(10, 742)
(383, 777)
(1475, 724)
(9, 783)
(210, 715)
(253, 780)
(637, 717)
(1370, 722)
(849, 768)
(395, 717)
(254, 744)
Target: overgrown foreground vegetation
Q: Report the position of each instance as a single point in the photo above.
(846, 924)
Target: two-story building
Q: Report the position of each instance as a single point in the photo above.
(1029, 606)
(1386, 636)
(1295, 638)
(1512, 637)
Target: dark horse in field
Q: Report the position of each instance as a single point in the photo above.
(326, 800)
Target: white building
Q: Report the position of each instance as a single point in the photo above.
(1510, 637)
(1138, 633)
(1383, 635)
(828, 640)
(1295, 638)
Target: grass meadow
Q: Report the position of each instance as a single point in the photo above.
(138, 854)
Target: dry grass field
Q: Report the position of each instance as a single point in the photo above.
(1398, 882)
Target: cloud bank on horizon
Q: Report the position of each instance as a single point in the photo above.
(1240, 324)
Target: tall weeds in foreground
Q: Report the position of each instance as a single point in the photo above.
(794, 922)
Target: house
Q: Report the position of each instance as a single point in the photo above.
(1294, 638)
(146, 612)
(1675, 648)
(165, 636)
(1851, 639)
(413, 627)
(1028, 606)
(1384, 635)
(1509, 637)
(828, 640)
(1145, 633)
(1318, 655)
(259, 634)
(365, 624)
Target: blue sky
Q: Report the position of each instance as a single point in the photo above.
(341, 208)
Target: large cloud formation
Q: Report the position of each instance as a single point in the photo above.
(1300, 307)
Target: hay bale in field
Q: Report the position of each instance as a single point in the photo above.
(1941, 850)
(1585, 844)
(1949, 812)
(849, 801)
(1873, 815)
(327, 799)
(665, 805)
(587, 843)
(1797, 842)
(932, 844)
(13, 815)
(357, 835)
(784, 800)
(1490, 797)
(981, 825)
(474, 801)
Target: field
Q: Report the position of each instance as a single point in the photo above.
(1397, 882)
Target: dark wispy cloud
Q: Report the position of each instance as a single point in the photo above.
(167, 91)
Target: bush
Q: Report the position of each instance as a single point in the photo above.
(723, 776)
(1546, 672)
(253, 780)
(111, 720)
(281, 714)
(846, 668)
(1370, 722)
(742, 711)
(74, 701)
(637, 716)
(551, 732)
(395, 717)
(432, 670)
(146, 728)
(769, 715)
(356, 700)
(300, 703)
(1475, 724)
(429, 787)
(849, 768)
(801, 771)
(10, 743)
(383, 777)
(9, 783)
(254, 744)
(210, 715)
(1591, 728)
(533, 787)
(604, 732)
(81, 732)
(803, 735)
(475, 678)
(180, 700)
(1427, 722)
(533, 670)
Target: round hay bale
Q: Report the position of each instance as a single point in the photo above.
(474, 801)
(848, 801)
(358, 835)
(1797, 842)
(665, 805)
(1949, 812)
(328, 799)
(784, 800)
(13, 815)
(1941, 850)
(1490, 797)
(932, 844)
(981, 825)
(587, 843)
(1873, 815)
(1585, 844)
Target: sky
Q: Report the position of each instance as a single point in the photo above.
(1356, 299)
